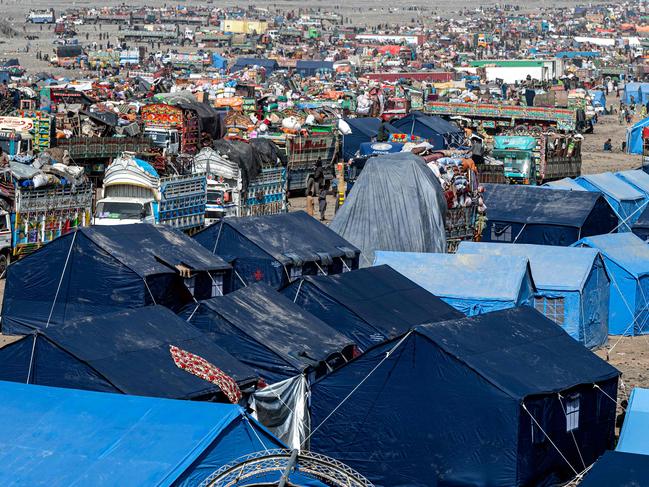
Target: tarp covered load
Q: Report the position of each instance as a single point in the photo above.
(363, 129)
(101, 269)
(127, 352)
(397, 203)
(369, 305)
(477, 380)
(543, 216)
(633, 436)
(277, 249)
(626, 201)
(619, 469)
(437, 131)
(572, 286)
(627, 263)
(71, 437)
(269, 65)
(270, 333)
(472, 284)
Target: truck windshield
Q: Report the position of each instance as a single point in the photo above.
(518, 162)
(214, 196)
(122, 211)
(159, 139)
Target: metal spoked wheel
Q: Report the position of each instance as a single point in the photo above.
(254, 470)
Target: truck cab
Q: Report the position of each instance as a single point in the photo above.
(124, 211)
(13, 143)
(518, 156)
(166, 139)
(5, 241)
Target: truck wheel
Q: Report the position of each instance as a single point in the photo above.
(4, 262)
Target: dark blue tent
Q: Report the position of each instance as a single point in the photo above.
(270, 333)
(312, 67)
(440, 133)
(641, 226)
(71, 437)
(269, 65)
(369, 305)
(535, 215)
(618, 469)
(126, 352)
(364, 129)
(101, 269)
(277, 249)
(454, 401)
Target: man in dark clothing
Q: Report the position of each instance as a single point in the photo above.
(318, 178)
(322, 203)
(477, 151)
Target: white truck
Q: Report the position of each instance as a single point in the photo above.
(133, 192)
(226, 195)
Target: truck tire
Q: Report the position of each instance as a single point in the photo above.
(4, 262)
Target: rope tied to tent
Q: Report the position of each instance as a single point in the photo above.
(257, 435)
(320, 269)
(550, 440)
(31, 358)
(218, 237)
(297, 293)
(596, 386)
(625, 220)
(58, 288)
(345, 264)
(387, 355)
(148, 289)
(193, 312)
(520, 232)
(240, 278)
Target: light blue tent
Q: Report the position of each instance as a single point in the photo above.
(59, 436)
(472, 284)
(639, 92)
(626, 201)
(633, 437)
(598, 97)
(572, 287)
(565, 183)
(634, 137)
(627, 262)
(636, 178)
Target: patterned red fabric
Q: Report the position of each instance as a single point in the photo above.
(202, 368)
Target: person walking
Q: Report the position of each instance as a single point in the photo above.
(322, 202)
(477, 150)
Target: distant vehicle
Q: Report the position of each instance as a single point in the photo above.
(41, 16)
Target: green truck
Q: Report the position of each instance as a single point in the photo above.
(538, 159)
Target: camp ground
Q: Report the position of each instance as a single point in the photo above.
(472, 284)
(141, 265)
(525, 214)
(572, 285)
(626, 258)
(369, 305)
(277, 249)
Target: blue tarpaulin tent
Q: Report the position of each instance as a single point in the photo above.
(437, 131)
(126, 352)
(472, 284)
(633, 436)
(634, 137)
(268, 332)
(598, 97)
(277, 249)
(528, 214)
(71, 437)
(101, 269)
(626, 201)
(313, 67)
(269, 65)
(565, 183)
(218, 61)
(639, 92)
(572, 287)
(364, 129)
(453, 401)
(618, 469)
(636, 178)
(369, 305)
(627, 262)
